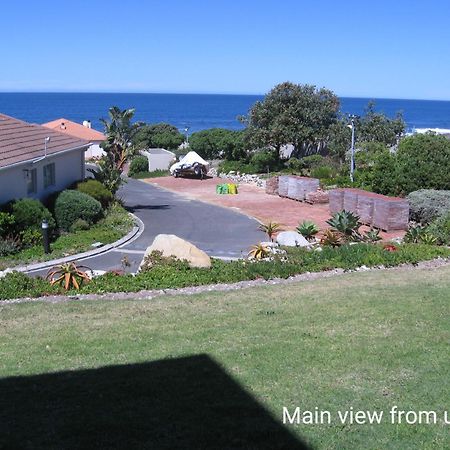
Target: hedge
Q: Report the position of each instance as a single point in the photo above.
(96, 190)
(73, 205)
(425, 205)
(29, 213)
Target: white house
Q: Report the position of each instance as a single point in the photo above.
(36, 161)
(84, 131)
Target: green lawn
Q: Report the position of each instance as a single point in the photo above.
(215, 370)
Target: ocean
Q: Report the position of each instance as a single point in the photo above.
(195, 111)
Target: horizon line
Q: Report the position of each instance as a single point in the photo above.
(210, 93)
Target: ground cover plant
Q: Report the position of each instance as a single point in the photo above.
(179, 274)
(214, 364)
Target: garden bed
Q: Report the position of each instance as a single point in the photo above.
(114, 226)
(179, 274)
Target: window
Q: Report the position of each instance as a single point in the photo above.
(49, 175)
(31, 181)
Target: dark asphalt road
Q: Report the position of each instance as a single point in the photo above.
(218, 231)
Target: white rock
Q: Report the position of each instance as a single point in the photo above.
(5, 272)
(171, 245)
(292, 239)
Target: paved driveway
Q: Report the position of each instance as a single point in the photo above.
(218, 231)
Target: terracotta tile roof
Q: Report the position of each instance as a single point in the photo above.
(75, 129)
(21, 141)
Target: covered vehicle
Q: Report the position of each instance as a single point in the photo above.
(191, 164)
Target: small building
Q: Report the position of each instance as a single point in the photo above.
(36, 161)
(159, 158)
(84, 131)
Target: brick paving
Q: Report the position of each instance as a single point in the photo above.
(254, 202)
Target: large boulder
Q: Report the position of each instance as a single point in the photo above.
(171, 245)
(292, 239)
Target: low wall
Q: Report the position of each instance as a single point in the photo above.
(379, 211)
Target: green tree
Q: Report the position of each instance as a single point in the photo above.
(219, 143)
(339, 140)
(160, 135)
(378, 127)
(295, 114)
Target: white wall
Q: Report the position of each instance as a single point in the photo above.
(69, 167)
(159, 158)
(94, 152)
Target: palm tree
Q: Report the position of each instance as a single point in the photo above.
(119, 133)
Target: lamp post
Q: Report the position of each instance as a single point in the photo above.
(352, 150)
(186, 132)
(45, 237)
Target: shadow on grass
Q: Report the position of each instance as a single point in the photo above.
(185, 403)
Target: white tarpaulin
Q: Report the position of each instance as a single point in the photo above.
(189, 160)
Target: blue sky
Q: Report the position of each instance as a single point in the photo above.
(391, 49)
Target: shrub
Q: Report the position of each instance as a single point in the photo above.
(424, 161)
(9, 246)
(153, 174)
(295, 165)
(96, 190)
(441, 229)
(236, 166)
(425, 205)
(312, 161)
(138, 164)
(265, 160)
(73, 205)
(322, 172)
(79, 225)
(6, 223)
(31, 237)
(29, 214)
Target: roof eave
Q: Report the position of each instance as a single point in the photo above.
(30, 161)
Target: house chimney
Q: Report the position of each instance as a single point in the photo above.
(87, 123)
(62, 126)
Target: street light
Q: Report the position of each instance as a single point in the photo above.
(186, 131)
(352, 150)
(45, 237)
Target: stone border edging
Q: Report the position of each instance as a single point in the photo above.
(193, 290)
(136, 231)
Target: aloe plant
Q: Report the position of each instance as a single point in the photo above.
(259, 251)
(332, 238)
(372, 235)
(308, 229)
(428, 239)
(414, 235)
(346, 223)
(68, 275)
(270, 228)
